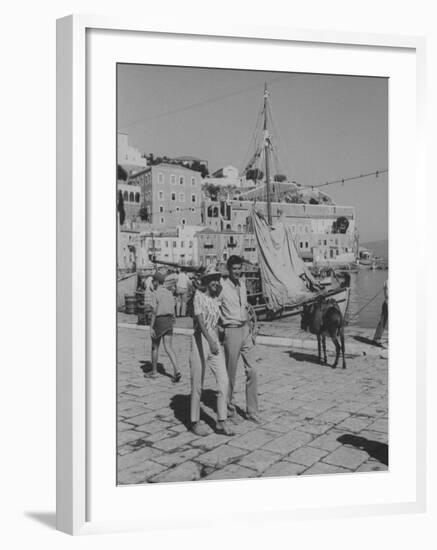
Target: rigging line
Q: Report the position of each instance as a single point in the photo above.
(198, 104)
(345, 180)
(280, 140)
(253, 139)
(349, 317)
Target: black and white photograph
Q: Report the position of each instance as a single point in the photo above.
(252, 274)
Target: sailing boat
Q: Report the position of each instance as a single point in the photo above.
(286, 283)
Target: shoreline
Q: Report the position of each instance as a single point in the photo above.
(358, 340)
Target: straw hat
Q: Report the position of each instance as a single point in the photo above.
(211, 273)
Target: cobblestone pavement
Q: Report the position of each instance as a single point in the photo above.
(315, 420)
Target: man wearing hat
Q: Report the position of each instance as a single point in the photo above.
(206, 351)
(161, 325)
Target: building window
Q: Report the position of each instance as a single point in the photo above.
(182, 242)
(166, 244)
(137, 197)
(190, 244)
(173, 179)
(175, 244)
(183, 223)
(181, 197)
(173, 196)
(325, 242)
(162, 220)
(125, 196)
(181, 180)
(301, 244)
(161, 209)
(161, 195)
(131, 197)
(193, 182)
(177, 208)
(160, 178)
(306, 244)
(193, 198)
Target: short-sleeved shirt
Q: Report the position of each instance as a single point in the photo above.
(182, 282)
(209, 308)
(163, 302)
(233, 302)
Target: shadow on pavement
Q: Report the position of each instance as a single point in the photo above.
(365, 340)
(46, 518)
(375, 449)
(146, 367)
(180, 405)
(307, 357)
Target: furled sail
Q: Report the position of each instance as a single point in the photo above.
(285, 279)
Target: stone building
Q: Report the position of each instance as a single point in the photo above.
(318, 234)
(171, 194)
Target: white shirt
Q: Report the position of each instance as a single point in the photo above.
(182, 281)
(233, 302)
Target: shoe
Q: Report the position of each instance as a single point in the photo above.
(224, 430)
(199, 429)
(254, 418)
(177, 378)
(151, 375)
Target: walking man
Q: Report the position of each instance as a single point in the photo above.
(238, 339)
(161, 325)
(206, 351)
(383, 318)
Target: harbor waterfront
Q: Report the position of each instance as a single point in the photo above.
(262, 282)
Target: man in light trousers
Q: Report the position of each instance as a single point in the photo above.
(238, 339)
(206, 352)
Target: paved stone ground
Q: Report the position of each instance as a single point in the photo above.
(316, 420)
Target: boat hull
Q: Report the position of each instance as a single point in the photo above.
(340, 295)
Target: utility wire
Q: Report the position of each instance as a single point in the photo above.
(199, 104)
(377, 173)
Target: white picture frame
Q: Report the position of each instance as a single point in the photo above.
(75, 347)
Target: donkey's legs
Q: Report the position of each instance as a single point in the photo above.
(319, 347)
(342, 346)
(325, 359)
(337, 350)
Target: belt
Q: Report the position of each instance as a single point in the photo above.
(236, 326)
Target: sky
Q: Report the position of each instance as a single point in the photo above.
(326, 127)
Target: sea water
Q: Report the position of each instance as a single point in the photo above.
(365, 284)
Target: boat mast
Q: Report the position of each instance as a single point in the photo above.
(266, 155)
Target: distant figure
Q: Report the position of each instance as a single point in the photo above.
(148, 285)
(161, 325)
(383, 318)
(182, 287)
(148, 299)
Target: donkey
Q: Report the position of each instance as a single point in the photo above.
(324, 318)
